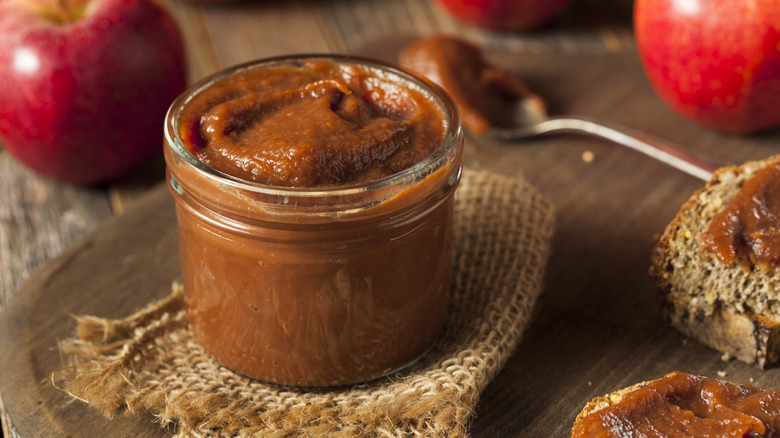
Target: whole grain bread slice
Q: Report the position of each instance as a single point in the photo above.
(733, 308)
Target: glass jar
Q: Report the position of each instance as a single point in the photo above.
(316, 286)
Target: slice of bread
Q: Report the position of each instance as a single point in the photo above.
(681, 404)
(733, 308)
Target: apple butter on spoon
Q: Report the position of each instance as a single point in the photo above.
(495, 103)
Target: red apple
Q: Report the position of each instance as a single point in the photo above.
(85, 84)
(716, 62)
(505, 15)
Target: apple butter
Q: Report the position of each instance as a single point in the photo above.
(486, 95)
(684, 405)
(750, 224)
(317, 124)
(314, 207)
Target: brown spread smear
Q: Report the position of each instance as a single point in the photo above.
(684, 405)
(486, 95)
(320, 124)
(750, 223)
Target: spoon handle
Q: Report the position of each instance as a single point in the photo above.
(686, 161)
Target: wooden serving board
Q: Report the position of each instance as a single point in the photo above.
(597, 326)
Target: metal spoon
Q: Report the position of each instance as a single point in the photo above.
(532, 121)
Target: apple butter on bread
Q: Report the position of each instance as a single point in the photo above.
(682, 405)
(750, 223)
(714, 270)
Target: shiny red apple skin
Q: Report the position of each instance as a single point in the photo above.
(85, 102)
(505, 15)
(716, 62)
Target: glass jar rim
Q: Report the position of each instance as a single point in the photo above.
(452, 129)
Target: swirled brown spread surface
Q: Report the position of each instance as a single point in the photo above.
(684, 405)
(486, 95)
(750, 224)
(317, 124)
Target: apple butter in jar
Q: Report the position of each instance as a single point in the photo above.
(314, 200)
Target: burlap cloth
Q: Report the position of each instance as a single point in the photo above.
(151, 361)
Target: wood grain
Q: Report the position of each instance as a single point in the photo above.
(596, 329)
(74, 283)
(39, 219)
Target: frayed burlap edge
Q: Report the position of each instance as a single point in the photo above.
(150, 360)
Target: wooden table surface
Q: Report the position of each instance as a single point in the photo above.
(596, 327)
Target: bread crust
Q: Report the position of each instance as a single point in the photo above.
(694, 287)
(600, 403)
